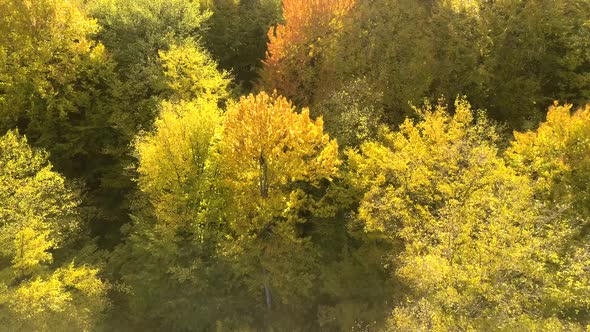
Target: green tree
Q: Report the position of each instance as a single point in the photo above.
(406, 50)
(529, 56)
(458, 51)
(354, 290)
(237, 36)
(391, 53)
(353, 114)
(150, 42)
(512, 67)
(38, 214)
(135, 32)
(59, 88)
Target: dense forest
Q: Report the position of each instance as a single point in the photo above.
(294, 165)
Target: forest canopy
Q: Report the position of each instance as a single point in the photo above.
(295, 165)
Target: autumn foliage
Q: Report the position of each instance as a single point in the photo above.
(295, 48)
(337, 165)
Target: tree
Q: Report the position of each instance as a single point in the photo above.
(458, 51)
(354, 290)
(274, 165)
(59, 88)
(407, 50)
(353, 113)
(148, 41)
(237, 36)
(45, 46)
(556, 157)
(172, 159)
(523, 63)
(38, 214)
(294, 58)
(191, 74)
(389, 52)
(169, 255)
(556, 154)
(135, 32)
(472, 248)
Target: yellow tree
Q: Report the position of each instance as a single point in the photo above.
(274, 164)
(192, 74)
(557, 157)
(172, 159)
(52, 72)
(59, 87)
(169, 255)
(38, 215)
(472, 237)
(170, 250)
